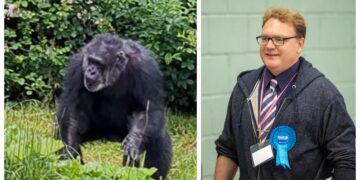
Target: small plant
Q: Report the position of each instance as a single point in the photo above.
(71, 169)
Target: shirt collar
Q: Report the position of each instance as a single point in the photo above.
(283, 78)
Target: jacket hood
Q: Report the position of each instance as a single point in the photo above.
(307, 73)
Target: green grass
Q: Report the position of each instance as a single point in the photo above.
(37, 119)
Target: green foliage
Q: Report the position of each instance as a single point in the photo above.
(22, 143)
(29, 154)
(183, 133)
(29, 143)
(41, 35)
(72, 169)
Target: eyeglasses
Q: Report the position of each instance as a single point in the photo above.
(278, 41)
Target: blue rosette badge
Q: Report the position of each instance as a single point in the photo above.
(282, 139)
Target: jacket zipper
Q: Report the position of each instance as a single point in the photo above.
(282, 104)
(254, 130)
(252, 120)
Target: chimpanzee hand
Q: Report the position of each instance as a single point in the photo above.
(133, 147)
(69, 152)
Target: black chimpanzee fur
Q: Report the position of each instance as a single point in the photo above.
(113, 91)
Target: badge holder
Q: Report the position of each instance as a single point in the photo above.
(261, 153)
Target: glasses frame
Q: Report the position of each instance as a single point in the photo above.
(271, 38)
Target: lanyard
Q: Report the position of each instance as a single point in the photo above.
(277, 97)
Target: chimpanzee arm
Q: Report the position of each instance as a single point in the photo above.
(144, 125)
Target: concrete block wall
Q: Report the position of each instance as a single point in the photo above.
(228, 45)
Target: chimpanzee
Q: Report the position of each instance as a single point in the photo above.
(113, 90)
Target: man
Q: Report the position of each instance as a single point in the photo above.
(285, 120)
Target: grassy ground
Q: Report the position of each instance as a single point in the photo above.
(38, 118)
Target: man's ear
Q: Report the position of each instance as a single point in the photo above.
(301, 44)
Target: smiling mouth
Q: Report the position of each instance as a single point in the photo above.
(268, 54)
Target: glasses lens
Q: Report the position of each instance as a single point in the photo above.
(262, 40)
(278, 40)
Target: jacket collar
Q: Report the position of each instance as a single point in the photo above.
(283, 78)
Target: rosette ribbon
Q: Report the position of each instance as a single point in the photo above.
(282, 139)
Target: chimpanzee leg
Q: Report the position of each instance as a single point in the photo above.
(70, 135)
(159, 154)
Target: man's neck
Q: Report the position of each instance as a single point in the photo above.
(276, 72)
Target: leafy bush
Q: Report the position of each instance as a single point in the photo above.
(41, 35)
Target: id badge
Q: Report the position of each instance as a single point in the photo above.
(261, 153)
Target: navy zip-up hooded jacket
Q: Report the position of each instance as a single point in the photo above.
(314, 108)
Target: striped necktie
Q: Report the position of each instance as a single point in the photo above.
(267, 111)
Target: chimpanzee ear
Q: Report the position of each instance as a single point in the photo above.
(122, 57)
(121, 54)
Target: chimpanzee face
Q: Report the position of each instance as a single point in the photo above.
(102, 65)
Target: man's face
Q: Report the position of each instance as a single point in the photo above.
(279, 58)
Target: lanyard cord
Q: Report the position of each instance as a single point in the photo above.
(277, 97)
